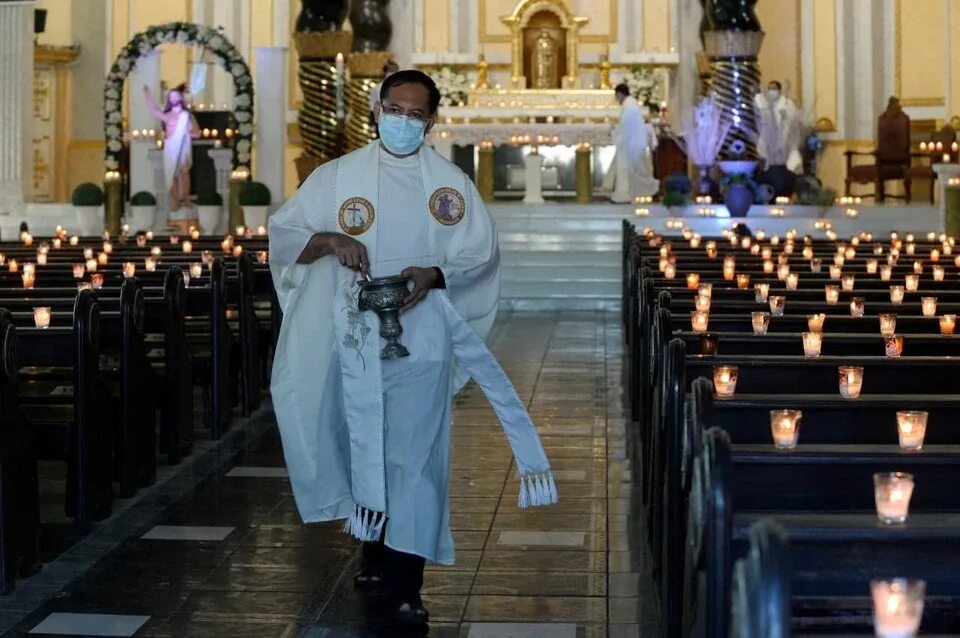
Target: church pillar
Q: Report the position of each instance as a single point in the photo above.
(372, 31)
(146, 73)
(485, 168)
(271, 120)
(16, 113)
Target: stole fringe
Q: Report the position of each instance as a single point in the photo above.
(365, 525)
(537, 489)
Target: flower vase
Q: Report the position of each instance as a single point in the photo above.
(738, 198)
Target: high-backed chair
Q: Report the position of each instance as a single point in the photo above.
(891, 157)
(924, 170)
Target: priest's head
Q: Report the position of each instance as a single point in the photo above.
(407, 110)
(622, 92)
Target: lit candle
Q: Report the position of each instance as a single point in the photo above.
(743, 281)
(768, 266)
(834, 272)
(96, 280)
(41, 259)
(760, 292)
(701, 303)
(815, 265)
(103, 258)
(892, 492)
(847, 282)
(705, 290)
(237, 250)
(150, 264)
(262, 256)
(156, 251)
(698, 320)
(839, 260)
(885, 272)
(27, 239)
(107, 247)
(88, 253)
(148, 235)
(129, 269)
(947, 324)
(946, 158)
(760, 322)
(725, 380)
(934, 255)
(888, 324)
(815, 322)
(782, 271)
(187, 246)
(832, 293)
(807, 252)
(783, 259)
(91, 265)
(893, 346)
(811, 343)
(851, 380)
(850, 252)
(792, 280)
(929, 306)
(856, 307)
(872, 266)
(28, 279)
(896, 295)
(777, 304)
(78, 270)
(227, 244)
(938, 273)
(262, 231)
(74, 240)
(41, 317)
(695, 241)
(693, 280)
(767, 252)
(57, 243)
(206, 256)
(911, 248)
(174, 240)
(897, 607)
(785, 428)
(911, 428)
(918, 267)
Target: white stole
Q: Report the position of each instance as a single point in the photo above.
(173, 148)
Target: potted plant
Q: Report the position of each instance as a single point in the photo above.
(143, 211)
(673, 199)
(209, 212)
(87, 200)
(255, 200)
(812, 193)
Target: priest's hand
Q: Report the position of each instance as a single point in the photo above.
(423, 280)
(350, 252)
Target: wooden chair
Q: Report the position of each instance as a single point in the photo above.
(891, 157)
(946, 136)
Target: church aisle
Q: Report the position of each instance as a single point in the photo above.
(233, 560)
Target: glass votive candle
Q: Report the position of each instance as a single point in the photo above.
(107, 247)
(129, 269)
(708, 343)
(911, 428)
(782, 271)
(263, 256)
(156, 251)
(938, 273)
(929, 306)
(743, 281)
(725, 380)
(872, 266)
(911, 248)
(187, 246)
(851, 380)
(766, 253)
(892, 492)
(729, 262)
(897, 607)
(103, 258)
(148, 235)
(947, 324)
(777, 304)
(760, 292)
(783, 259)
(712, 249)
(41, 317)
(893, 346)
(886, 271)
(815, 322)
(701, 303)
(888, 324)
(29, 269)
(847, 282)
(196, 269)
(912, 282)
(760, 322)
(815, 265)
(785, 428)
(767, 266)
(850, 252)
(699, 320)
(207, 256)
(839, 260)
(856, 307)
(934, 255)
(150, 264)
(832, 293)
(88, 253)
(74, 240)
(174, 240)
(896, 295)
(705, 290)
(96, 280)
(792, 280)
(41, 259)
(693, 280)
(834, 272)
(28, 279)
(918, 267)
(662, 264)
(261, 230)
(91, 265)
(13, 266)
(78, 270)
(807, 252)
(194, 234)
(141, 241)
(811, 343)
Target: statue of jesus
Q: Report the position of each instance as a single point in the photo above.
(180, 127)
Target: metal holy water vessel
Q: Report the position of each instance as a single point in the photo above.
(384, 296)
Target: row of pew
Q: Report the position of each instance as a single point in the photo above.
(751, 540)
(110, 351)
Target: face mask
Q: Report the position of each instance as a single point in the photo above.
(401, 135)
(773, 95)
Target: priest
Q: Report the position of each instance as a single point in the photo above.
(635, 139)
(367, 440)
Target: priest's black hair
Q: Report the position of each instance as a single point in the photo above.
(412, 76)
(622, 89)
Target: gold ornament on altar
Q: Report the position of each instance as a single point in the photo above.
(545, 64)
(605, 72)
(482, 70)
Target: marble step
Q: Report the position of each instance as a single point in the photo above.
(559, 302)
(521, 270)
(514, 255)
(600, 288)
(548, 224)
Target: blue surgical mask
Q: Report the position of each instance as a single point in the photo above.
(401, 134)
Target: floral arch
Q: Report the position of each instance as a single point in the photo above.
(142, 44)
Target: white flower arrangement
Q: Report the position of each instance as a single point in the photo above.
(704, 131)
(647, 85)
(142, 44)
(453, 87)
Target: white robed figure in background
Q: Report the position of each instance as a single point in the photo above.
(635, 139)
(779, 124)
(365, 439)
(180, 127)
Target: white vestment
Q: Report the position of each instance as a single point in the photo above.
(365, 438)
(632, 168)
(780, 113)
(177, 149)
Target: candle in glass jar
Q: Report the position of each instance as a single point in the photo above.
(743, 281)
(74, 240)
(896, 295)
(88, 253)
(938, 273)
(41, 317)
(695, 241)
(156, 251)
(705, 290)
(103, 258)
(850, 252)
(782, 271)
(815, 322)
(78, 270)
(807, 252)
(929, 306)
(897, 607)
(934, 255)
(856, 307)
(57, 243)
(888, 324)
(725, 380)
(28, 279)
(872, 266)
(760, 292)
(839, 260)
(729, 262)
(947, 324)
(851, 380)
(129, 269)
(910, 248)
(661, 265)
(911, 428)
(885, 272)
(847, 282)
(815, 265)
(174, 240)
(96, 280)
(701, 303)
(832, 293)
(41, 259)
(262, 231)
(755, 249)
(708, 343)
(107, 247)
(766, 253)
(187, 246)
(693, 280)
(768, 266)
(835, 272)
(811, 343)
(777, 304)
(785, 428)
(918, 267)
(893, 345)
(262, 256)
(792, 280)
(150, 264)
(912, 281)
(91, 265)
(892, 492)
(760, 322)
(196, 269)
(711, 249)
(194, 234)
(699, 320)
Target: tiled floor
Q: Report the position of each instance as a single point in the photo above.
(232, 558)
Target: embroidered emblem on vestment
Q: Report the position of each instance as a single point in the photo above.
(356, 216)
(447, 206)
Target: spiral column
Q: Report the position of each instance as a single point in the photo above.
(735, 80)
(366, 69)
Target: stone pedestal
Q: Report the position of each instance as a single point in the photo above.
(113, 205)
(159, 187)
(485, 172)
(223, 164)
(533, 179)
(16, 100)
(584, 175)
(146, 73)
(271, 120)
(945, 172)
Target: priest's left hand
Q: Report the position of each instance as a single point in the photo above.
(423, 280)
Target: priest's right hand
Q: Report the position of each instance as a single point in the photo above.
(350, 252)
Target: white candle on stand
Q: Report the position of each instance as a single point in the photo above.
(785, 428)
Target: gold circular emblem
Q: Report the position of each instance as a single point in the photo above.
(447, 206)
(356, 216)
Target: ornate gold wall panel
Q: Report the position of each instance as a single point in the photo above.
(51, 121)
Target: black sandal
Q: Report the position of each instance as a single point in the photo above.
(411, 616)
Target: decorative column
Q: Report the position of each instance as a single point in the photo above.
(485, 171)
(146, 73)
(16, 101)
(223, 164)
(372, 29)
(271, 118)
(584, 174)
(319, 39)
(533, 178)
(732, 43)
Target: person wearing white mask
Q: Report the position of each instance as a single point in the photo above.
(367, 439)
(780, 114)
